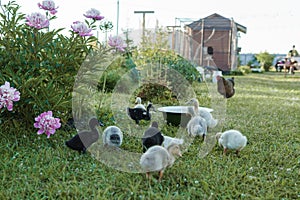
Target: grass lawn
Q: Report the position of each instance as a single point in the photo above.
(265, 108)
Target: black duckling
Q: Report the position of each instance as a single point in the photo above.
(138, 114)
(81, 141)
(112, 136)
(152, 136)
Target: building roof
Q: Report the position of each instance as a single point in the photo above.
(217, 22)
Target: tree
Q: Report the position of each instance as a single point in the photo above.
(265, 59)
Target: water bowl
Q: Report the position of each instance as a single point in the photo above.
(178, 115)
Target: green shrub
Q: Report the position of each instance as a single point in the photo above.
(245, 69)
(156, 93)
(115, 72)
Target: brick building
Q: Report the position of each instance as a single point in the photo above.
(211, 41)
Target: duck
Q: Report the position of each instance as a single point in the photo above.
(139, 104)
(231, 140)
(138, 114)
(211, 121)
(225, 86)
(158, 158)
(152, 136)
(84, 139)
(112, 136)
(169, 140)
(197, 126)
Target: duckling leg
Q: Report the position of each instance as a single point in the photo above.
(238, 153)
(148, 175)
(160, 175)
(225, 150)
(84, 150)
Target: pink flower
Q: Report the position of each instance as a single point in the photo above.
(46, 123)
(94, 14)
(81, 28)
(48, 5)
(37, 20)
(8, 95)
(117, 42)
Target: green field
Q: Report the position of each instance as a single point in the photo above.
(265, 108)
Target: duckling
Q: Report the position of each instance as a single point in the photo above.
(169, 140)
(152, 136)
(225, 86)
(211, 122)
(139, 104)
(231, 139)
(197, 125)
(112, 136)
(158, 158)
(138, 114)
(81, 141)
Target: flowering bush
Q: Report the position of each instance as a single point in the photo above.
(8, 95)
(46, 123)
(42, 64)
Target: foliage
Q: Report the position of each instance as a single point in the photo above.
(156, 93)
(116, 71)
(245, 69)
(265, 59)
(154, 51)
(41, 64)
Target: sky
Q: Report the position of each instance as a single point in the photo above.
(272, 26)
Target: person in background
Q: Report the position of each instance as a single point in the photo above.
(293, 52)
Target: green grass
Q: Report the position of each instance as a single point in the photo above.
(265, 108)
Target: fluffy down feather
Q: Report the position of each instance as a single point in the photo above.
(112, 136)
(158, 158)
(169, 140)
(197, 126)
(139, 104)
(231, 140)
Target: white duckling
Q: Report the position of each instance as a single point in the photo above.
(139, 104)
(232, 140)
(112, 136)
(197, 126)
(211, 122)
(158, 158)
(169, 140)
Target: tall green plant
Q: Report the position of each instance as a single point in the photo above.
(154, 50)
(41, 64)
